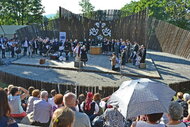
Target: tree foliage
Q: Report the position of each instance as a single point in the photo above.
(173, 11)
(20, 12)
(87, 8)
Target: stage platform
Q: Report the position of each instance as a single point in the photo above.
(96, 64)
(163, 67)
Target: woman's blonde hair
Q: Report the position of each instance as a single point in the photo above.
(63, 117)
(36, 93)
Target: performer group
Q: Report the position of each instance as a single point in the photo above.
(122, 51)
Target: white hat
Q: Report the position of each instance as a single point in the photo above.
(186, 96)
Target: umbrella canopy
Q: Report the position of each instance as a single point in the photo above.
(142, 96)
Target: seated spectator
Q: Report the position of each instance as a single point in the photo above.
(186, 97)
(90, 107)
(152, 121)
(81, 98)
(182, 100)
(104, 104)
(113, 117)
(97, 99)
(175, 115)
(51, 100)
(81, 119)
(15, 99)
(58, 100)
(9, 88)
(6, 90)
(42, 110)
(25, 101)
(184, 104)
(31, 99)
(30, 89)
(187, 119)
(5, 119)
(179, 97)
(63, 117)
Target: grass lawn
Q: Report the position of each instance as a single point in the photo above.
(3, 85)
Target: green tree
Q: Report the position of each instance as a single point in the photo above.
(129, 9)
(87, 8)
(172, 11)
(20, 12)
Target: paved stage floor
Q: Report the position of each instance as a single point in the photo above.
(96, 63)
(169, 67)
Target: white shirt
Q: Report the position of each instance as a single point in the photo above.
(42, 111)
(3, 46)
(1, 40)
(25, 44)
(30, 106)
(51, 101)
(76, 50)
(10, 43)
(15, 104)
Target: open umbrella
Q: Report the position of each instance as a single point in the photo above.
(142, 96)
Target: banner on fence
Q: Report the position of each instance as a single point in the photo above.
(62, 36)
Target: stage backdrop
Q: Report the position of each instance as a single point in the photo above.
(154, 34)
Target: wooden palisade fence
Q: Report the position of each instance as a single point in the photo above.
(25, 82)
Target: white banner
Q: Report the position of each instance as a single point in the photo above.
(62, 36)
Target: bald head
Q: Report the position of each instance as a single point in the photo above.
(70, 100)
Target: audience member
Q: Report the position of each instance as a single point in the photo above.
(89, 106)
(51, 100)
(175, 115)
(81, 119)
(42, 110)
(5, 119)
(113, 118)
(97, 99)
(179, 97)
(9, 88)
(25, 101)
(81, 98)
(182, 100)
(58, 100)
(15, 99)
(6, 90)
(152, 121)
(30, 89)
(31, 99)
(187, 119)
(184, 104)
(63, 117)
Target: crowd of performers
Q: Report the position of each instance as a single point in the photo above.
(122, 51)
(45, 47)
(126, 52)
